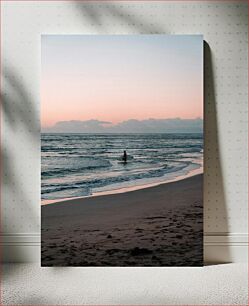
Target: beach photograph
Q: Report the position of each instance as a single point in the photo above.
(122, 150)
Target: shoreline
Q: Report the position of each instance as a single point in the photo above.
(127, 189)
(156, 226)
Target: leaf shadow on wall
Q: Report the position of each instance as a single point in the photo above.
(215, 208)
(20, 119)
(95, 14)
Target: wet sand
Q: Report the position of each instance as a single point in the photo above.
(155, 226)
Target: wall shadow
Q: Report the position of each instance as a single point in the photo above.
(214, 194)
(18, 115)
(17, 104)
(94, 14)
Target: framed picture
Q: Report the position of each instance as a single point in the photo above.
(122, 150)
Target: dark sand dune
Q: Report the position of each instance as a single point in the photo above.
(155, 226)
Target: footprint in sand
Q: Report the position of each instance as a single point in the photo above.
(140, 251)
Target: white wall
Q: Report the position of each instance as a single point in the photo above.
(224, 26)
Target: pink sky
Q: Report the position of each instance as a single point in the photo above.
(116, 78)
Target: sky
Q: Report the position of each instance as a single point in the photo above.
(116, 78)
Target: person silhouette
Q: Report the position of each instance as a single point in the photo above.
(124, 158)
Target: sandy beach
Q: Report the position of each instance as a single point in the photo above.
(154, 226)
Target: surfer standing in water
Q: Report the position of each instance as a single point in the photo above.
(124, 158)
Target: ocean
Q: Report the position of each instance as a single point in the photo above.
(77, 165)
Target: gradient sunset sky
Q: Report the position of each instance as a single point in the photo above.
(119, 77)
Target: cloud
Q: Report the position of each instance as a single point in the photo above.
(77, 126)
(175, 125)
